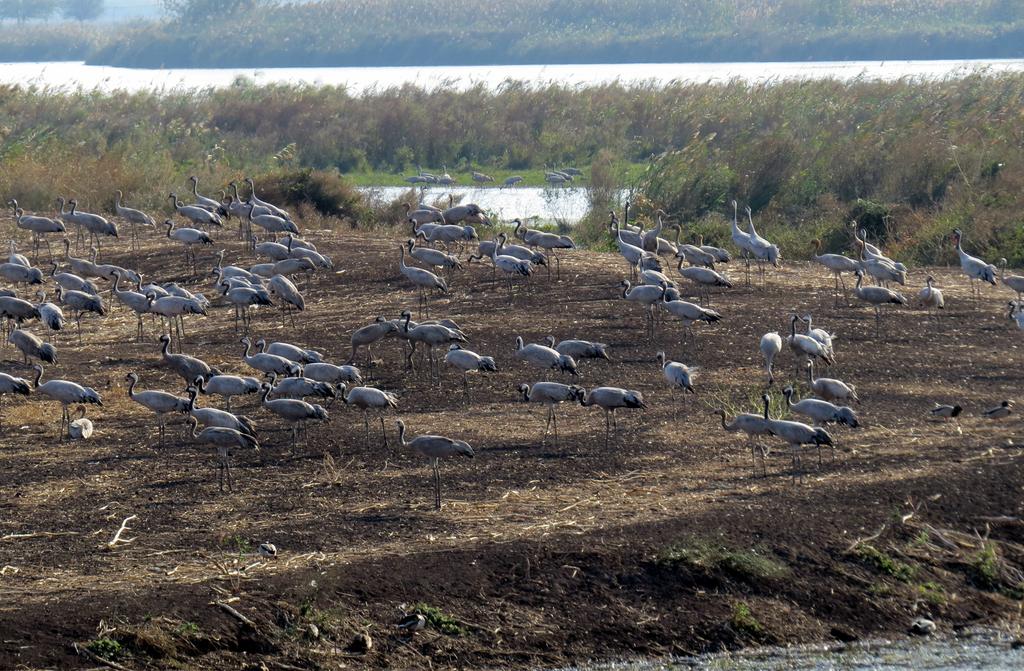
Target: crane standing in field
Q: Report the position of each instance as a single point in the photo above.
(550, 394)
(65, 393)
(435, 448)
(973, 267)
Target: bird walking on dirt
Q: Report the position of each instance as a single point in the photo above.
(435, 448)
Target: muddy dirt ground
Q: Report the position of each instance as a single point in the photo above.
(662, 542)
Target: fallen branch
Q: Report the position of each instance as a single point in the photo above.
(86, 652)
(117, 536)
(853, 546)
(235, 614)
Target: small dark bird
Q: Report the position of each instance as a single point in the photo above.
(1004, 409)
(946, 411)
(412, 623)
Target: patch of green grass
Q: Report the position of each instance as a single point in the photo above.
(438, 619)
(881, 561)
(704, 556)
(238, 543)
(743, 620)
(106, 647)
(985, 569)
(932, 592)
(187, 629)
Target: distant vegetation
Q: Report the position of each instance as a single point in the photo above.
(264, 33)
(909, 160)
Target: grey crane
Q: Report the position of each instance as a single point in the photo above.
(973, 267)
(271, 223)
(50, 315)
(224, 440)
(65, 393)
(371, 333)
(72, 281)
(294, 352)
(174, 309)
(688, 313)
(435, 448)
(468, 362)
(1014, 282)
(269, 363)
(228, 386)
(771, 345)
(877, 297)
(12, 385)
(837, 264)
(242, 298)
(81, 267)
(185, 366)
(431, 335)
(550, 394)
(704, 278)
(132, 216)
(796, 435)
(752, 425)
(822, 412)
(197, 215)
(370, 398)
(678, 375)
(611, 399)
(300, 388)
(203, 201)
(188, 237)
(644, 294)
(297, 413)
(829, 388)
(31, 346)
(580, 349)
(544, 357)
(332, 374)
(97, 226)
(38, 225)
(138, 303)
(215, 417)
(80, 302)
(161, 403)
(291, 298)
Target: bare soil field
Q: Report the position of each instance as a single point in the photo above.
(661, 543)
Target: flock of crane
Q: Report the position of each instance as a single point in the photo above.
(290, 374)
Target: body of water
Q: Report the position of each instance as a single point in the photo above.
(981, 650)
(562, 204)
(75, 75)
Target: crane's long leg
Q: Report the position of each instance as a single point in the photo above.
(383, 433)
(437, 486)
(366, 427)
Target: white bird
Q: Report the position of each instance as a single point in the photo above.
(931, 298)
(829, 388)
(946, 411)
(468, 362)
(973, 267)
(752, 425)
(678, 375)
(297, 413)
(611, 399)
(227, 386)
(876, 296)
(771, 345)
(81, 428)
(1014, 282)
(435, 448)
(837, 264)
(159, 402)
(550, 394)
(269, 363)
(422, 279)
(545, 358)
(224, 440)
(821, 335)
(65, 393)
(371, 398)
